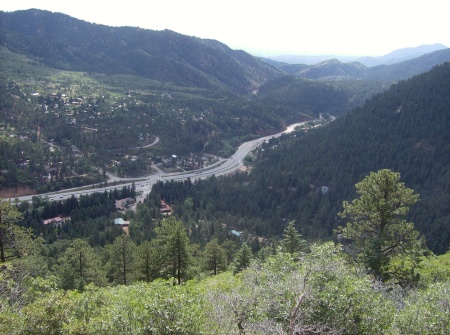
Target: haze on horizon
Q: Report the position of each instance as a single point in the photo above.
(323, 27)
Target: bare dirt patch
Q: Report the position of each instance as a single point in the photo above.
(12, 192)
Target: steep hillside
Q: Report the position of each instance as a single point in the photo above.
(332, 69)
(405, 129)
(96, 119)
(306, 176)
(308, 96)
(63, 42)
(409, 68)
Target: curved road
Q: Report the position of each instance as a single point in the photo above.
(144, 184)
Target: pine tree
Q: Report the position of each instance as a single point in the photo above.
(381, 237)
(148, 262)
(66, 277)
(214, 256)
(173, 243)
(242, 258)
(15, 241)
(84, 262)
(121, 259)
(8, 218)
(292, 240)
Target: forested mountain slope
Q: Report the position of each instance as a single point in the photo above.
(78, 85)
(307, 176)
(63, 42)
(405, 129)
(334, 69)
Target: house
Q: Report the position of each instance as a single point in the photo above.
(324, 189)
(165, 209)
(54, 221)
(262, 240)
(124, 224)
(235, 233)
(119, 221)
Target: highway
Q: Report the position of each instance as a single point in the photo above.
(144, 184)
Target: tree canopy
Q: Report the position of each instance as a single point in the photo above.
(15, 241)
(292, 239)
(376, 224)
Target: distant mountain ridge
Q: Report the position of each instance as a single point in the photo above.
(393, 57)
(401, 55)
(61, 41)
(333, 69)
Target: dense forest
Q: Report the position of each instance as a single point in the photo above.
(64, 97)
(404, 129)
(224, 262)
(341, 227)
(61, 42)
(167, 284)
(50, 116)
(57, 127)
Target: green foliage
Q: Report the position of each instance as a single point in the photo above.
(90, 217)
(157, 308)
(81, 266)
(376, 227)
(243, 258)
(317, 170)
(292, 240)
(165, 56)
(76, 113)
(281, 296)
(337, 298)
(15, 241)
(214, 256)
(321, 292)
(312, 97)
(435, 269)
(318, 291)
(425, 312)
(172, 241)
(148, 262)
(9, 216)
(121, 254)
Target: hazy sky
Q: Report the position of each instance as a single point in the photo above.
(338, 27)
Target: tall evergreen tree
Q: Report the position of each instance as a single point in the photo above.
(242, 258)
(15, 241)
(84, 263)
(173, 243)
(215, 258)
(292, 240)
(149, 262)
(377, 229)
(66, 277)
(121, 259)
(9, 216)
